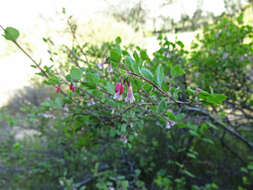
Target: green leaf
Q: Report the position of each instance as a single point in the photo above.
(161, 106)
(182, 125)
(194, 133)
(180, 44)
(189, 174)
(47, 103)
(92, 79)
(110, 87)
(243, 169)
(123, 128)
(148, 87)
(124, 185)
(63, 10)
(212, 98)
(203, 94)
(171, 116)
(136, 57)
(118, 40)
(115, 55)
(11, 34)
(240, 18)
(58, 102)
(159, 75)
(147, 73)
(131, 64)
(52, 80)
(180, 117)
(190, 91)
(179, 165)
(191, 155)
(203, 128)
(68, 77)
(210, 141)
(176, 71)
(250, 166)
(75, 73)
(144, 55)
(216, 98)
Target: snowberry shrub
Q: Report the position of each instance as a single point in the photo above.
(125, 120)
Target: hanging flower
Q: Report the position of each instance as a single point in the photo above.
(225, 55)
(169, 124)
(58, 89)
(123, 139)
(212, 51)
(109, 68)
(119, 89)
(91, 102)
(130, 96)
(100, 65)
(168, 55)
(72, 87)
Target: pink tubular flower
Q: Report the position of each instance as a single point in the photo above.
(119, 89)
(58, 89)
(130, 96)
(72, 87)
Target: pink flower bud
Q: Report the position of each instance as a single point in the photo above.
(72, 87)
(119, 90)
(58, 89)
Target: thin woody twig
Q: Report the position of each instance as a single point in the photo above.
(226, 128)
(37, 65)
(136, 105)
(158, 88)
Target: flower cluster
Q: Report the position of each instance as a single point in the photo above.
(119, 90)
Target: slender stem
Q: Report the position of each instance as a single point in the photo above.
(37, 65)
(2, 27)
(221, 124)
(158, 88)
(136, 105)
